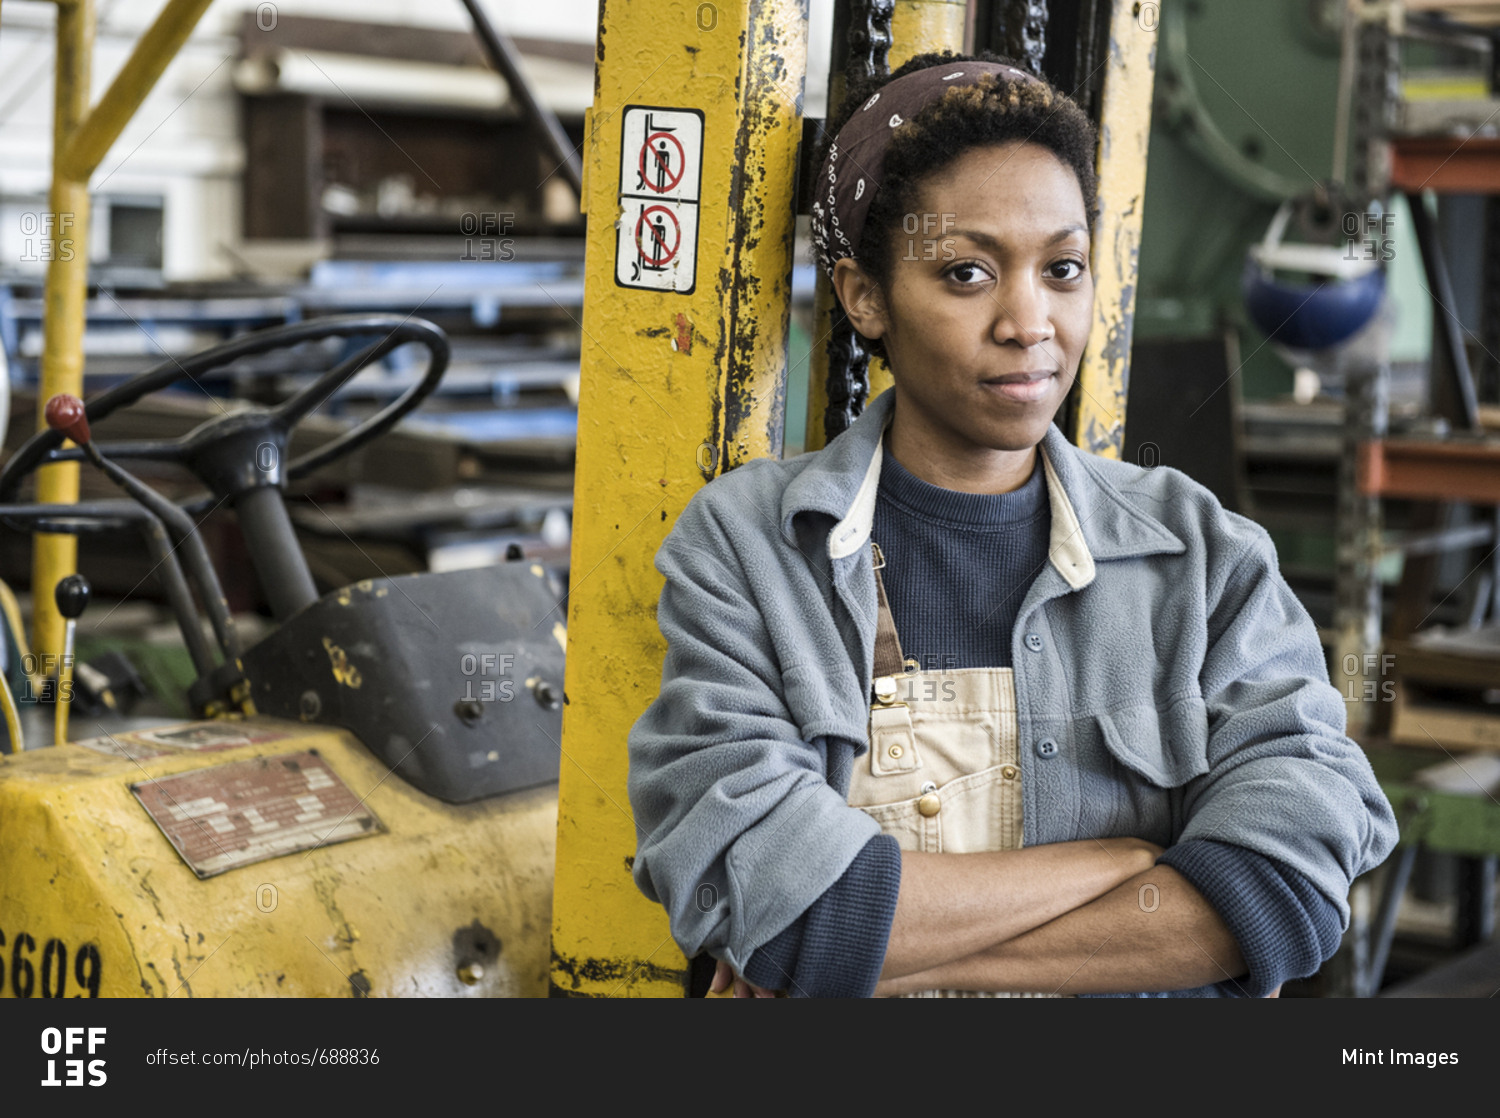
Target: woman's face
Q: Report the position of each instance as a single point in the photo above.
(990, 298)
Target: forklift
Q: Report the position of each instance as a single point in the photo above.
(367, 803)
(398, 791)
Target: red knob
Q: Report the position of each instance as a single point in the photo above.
(65, 413)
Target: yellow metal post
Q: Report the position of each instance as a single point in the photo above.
(152, 53)
(1124, 132)
(677, 386)
(55, 556)
(80, 139)
(917, 26)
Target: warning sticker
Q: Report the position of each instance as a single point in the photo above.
(661, 173)
(209, 737)
(123, 745)
(200, 737)
(234, 815)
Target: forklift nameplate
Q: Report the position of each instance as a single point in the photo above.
(244, 812)
(661, 173)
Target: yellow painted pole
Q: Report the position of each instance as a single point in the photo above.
(1124, 132)
(917, 26)
(12, 713)
(80, 139)
(94, 135)
(55, 556)
(677, 386)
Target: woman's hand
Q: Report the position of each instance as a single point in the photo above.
(1140, 853)
(724, 975)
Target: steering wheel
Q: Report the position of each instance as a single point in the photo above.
(228, 453)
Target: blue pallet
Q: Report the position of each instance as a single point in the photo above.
(501, 425)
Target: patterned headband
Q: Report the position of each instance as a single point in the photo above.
(852, 171)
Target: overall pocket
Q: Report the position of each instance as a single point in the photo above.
(967, 815)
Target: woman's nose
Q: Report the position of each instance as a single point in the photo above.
(1021, 316)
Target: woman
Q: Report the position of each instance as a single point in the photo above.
(951, 706)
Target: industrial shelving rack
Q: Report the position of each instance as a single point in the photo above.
(1389, 153)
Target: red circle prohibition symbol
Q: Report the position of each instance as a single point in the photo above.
(641, 223)
(681, 163)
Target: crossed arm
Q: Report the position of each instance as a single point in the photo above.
(1094, 916)
(1147, 929)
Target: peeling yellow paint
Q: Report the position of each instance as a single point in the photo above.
(1104, 375)
(343, 670)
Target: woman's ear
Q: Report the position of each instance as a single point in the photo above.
(861, 297)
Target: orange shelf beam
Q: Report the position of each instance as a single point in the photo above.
(1446, 164)
(1432, 470)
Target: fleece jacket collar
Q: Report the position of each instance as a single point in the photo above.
(1091, 520)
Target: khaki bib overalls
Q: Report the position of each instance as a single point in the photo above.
(943, 773)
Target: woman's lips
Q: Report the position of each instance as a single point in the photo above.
(1024, 388)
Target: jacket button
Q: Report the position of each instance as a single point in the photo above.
(929, 805)
(1046, 748)
(1034, 641)
(1010, 772)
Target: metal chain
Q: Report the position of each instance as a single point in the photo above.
(869, 39)
(1357, 579)
(1489, 298)
(1489, 315)
(848, 362)
(1026, 33)
(1357, 604)
(1377, 89)
(848, 376)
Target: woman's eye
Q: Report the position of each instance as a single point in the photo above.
(1076, 265)
(968, 274)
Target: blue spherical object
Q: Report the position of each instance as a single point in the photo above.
(1310, 316)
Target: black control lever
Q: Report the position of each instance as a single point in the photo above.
(99, 516)
(223, 687)
(72, 598)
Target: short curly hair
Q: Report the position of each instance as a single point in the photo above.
(989, 112)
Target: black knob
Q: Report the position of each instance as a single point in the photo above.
(72, 596)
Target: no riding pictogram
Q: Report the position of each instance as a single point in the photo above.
(657, 239)
(666, 164)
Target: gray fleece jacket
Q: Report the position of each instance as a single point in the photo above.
(1177, 690)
